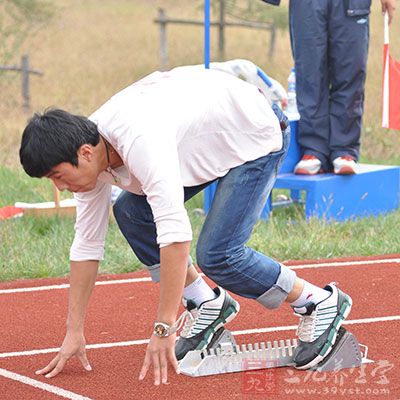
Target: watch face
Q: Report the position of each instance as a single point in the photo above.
(160, 330)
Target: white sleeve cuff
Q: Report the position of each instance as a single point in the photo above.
(172, 227)
(84, 249)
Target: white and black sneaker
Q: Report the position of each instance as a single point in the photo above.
(203, 323)
(319, 326)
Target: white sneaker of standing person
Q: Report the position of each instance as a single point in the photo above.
(345, 165)
(308, 165)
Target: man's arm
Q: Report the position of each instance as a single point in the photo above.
(82, 278)
(160, 351)
(173, 268)
(390, 7)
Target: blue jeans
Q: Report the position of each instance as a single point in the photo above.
(222, 253)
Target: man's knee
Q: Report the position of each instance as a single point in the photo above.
(204, 257)
(210, 259)
(132, 208)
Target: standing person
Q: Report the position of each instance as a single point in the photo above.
(330, 47)
(162, 140)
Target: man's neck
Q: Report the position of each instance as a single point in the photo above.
(112, 158)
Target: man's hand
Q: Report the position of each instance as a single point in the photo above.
(390, 7)
(159, 352)
(73, 345)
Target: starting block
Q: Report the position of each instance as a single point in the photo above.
(223, 355)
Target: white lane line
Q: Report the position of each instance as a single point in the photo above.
(148, 279)
(66, 285)
(235, 333)
(40, 385)
(294, 327)
(89, 346)
(347, 263)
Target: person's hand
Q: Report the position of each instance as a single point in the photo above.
(159, 352)
(389, 6)
(73, 345)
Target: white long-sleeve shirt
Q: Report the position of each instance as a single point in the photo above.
(173, 129)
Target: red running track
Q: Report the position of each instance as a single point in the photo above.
(34, 320)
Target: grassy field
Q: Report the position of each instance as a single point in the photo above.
(38, 247)
(92, 49)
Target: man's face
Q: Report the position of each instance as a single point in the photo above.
(82, 178)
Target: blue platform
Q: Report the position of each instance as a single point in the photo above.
(375, 189)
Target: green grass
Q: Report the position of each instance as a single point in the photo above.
(39, 247)
(85, 63)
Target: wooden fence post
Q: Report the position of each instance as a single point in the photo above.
(221, 30)
(25, 82)
(162, 19)
(25, 72)
(221, 24)
(56, 196)
(272, 42)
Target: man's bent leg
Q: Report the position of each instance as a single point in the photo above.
(221, 250)
(223, 256)
(135, 220)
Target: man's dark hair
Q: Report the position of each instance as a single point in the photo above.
(52, 138)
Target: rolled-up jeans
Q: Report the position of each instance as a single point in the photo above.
(222, 253)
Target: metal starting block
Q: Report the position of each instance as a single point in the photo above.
(223, 355)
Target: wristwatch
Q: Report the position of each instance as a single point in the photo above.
(163, 330)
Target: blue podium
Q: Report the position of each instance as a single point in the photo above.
(374, 190)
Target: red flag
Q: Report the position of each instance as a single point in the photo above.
(390, 86)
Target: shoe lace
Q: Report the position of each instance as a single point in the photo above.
(306, 328)
(189, 319)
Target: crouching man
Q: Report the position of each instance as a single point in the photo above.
(163, 140)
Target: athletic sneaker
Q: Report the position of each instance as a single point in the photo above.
(203, 322)
(319, 326)
(308, 165)
(344, 165)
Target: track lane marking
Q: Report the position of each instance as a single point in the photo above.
(347, 263)
(41, 385)
(235, 333)
(148, 279)
(66, 285)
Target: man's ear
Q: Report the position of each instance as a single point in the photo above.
(86, 152)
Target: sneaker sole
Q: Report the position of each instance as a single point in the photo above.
(337, 323)
(345, 171)
(302, 171)
(219, 323)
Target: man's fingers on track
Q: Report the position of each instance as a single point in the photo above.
(145, 366)
(48, 367)
(156, 365)
(164, 367)
(58, 368)
(85, 362)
